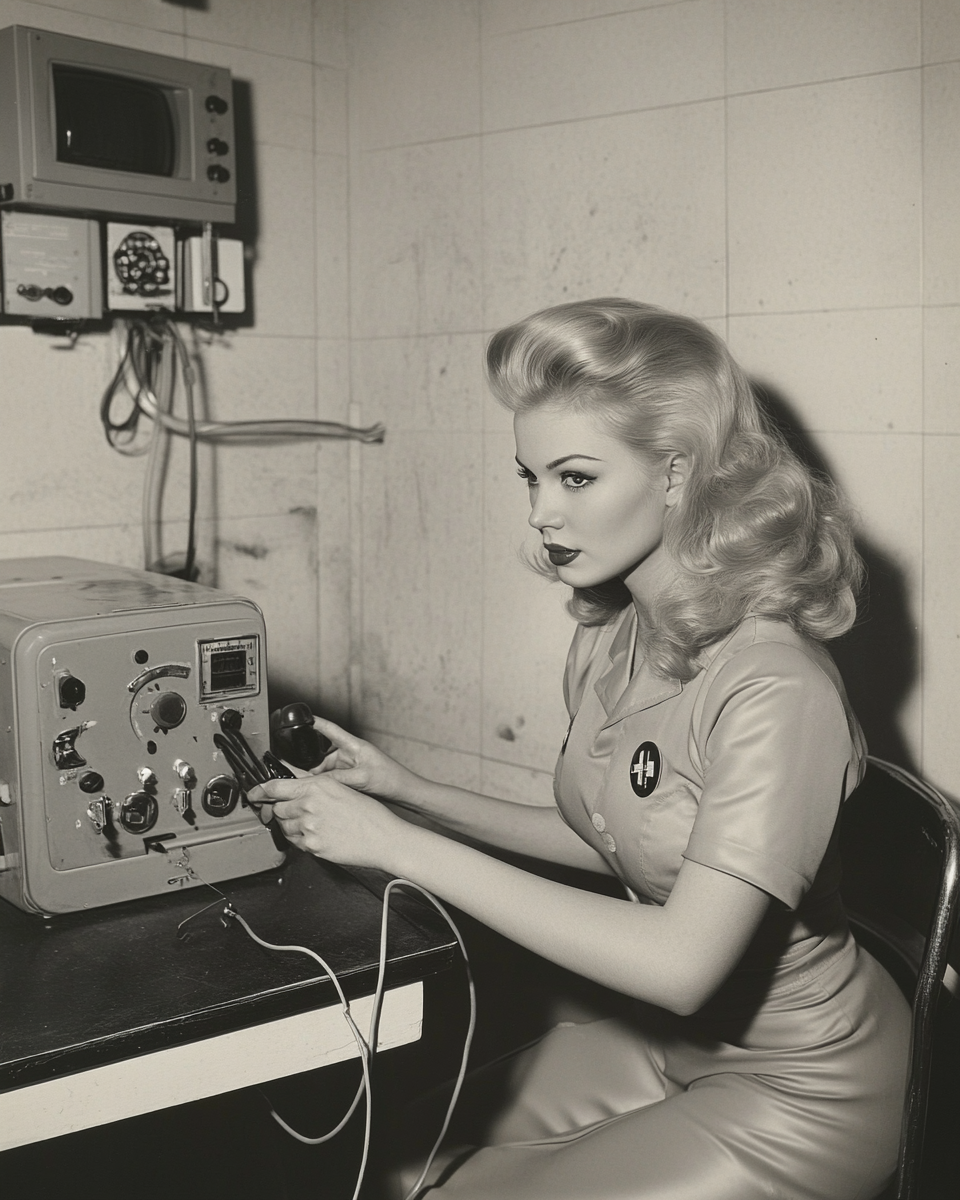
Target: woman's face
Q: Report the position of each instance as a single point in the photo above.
(599, 507)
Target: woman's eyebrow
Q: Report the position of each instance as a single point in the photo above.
(567, 457)
(557, 462)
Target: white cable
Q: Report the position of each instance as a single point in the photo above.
(468, 1040)
(281, 427)
(367, 1047)
(158, 449)
(358, 1036)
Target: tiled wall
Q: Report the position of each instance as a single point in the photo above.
(787, 170)
(428, 169)
(268, 513)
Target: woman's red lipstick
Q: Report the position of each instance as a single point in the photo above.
(560, 556)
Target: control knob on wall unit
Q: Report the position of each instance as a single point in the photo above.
(32, 291)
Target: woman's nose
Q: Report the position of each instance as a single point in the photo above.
(544, 514)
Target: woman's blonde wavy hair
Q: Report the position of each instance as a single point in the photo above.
(754, 531)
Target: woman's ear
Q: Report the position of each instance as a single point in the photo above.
(677, 470)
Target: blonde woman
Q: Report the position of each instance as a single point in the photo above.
(710, 748)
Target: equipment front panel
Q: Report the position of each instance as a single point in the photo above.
(125, 736)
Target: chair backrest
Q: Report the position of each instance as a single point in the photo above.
(900, 848)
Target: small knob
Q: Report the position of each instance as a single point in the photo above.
(216, 104)
(168, 710)
(217, 173)
(231, 720)
(186, 772)
(146, 776)
(71, 691)
(217, 146)
(90, 781)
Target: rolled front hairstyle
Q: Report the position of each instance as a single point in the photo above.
(754, 531)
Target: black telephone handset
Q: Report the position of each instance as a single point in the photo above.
(294, 739)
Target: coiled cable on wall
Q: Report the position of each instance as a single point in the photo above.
(154, 358)
(142, 358)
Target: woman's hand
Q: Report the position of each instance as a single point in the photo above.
(323, 816)
(361, 766)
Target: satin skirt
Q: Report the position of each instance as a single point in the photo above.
(797, 1098)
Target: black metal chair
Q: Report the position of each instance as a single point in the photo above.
(900, 847)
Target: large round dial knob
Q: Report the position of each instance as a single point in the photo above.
(168, 710)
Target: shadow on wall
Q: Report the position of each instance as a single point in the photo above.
(878, 656)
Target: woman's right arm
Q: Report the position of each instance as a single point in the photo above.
(531, 829)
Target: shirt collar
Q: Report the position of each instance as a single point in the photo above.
(618, 693)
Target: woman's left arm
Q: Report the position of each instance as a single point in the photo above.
(675, 956)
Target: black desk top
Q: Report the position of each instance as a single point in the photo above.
(86, 989)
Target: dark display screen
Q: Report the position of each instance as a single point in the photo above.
(113, 123)
(228, 670)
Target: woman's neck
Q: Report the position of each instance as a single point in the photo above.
(646, 582)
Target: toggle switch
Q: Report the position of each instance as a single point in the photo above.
(98, 813)
(65, 752)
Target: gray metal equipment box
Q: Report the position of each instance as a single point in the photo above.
(112, 683)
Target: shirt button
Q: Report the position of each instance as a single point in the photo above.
(599, 823)
(610, 844)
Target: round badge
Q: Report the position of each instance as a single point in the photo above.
(645, 768)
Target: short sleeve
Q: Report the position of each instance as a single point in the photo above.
(778, 756)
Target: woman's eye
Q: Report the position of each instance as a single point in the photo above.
(526, 476)
(575, 481)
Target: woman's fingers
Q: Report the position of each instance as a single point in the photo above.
(325, 817)
(284, 789)
(346, 748)
(257, 800)
(340, 737)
